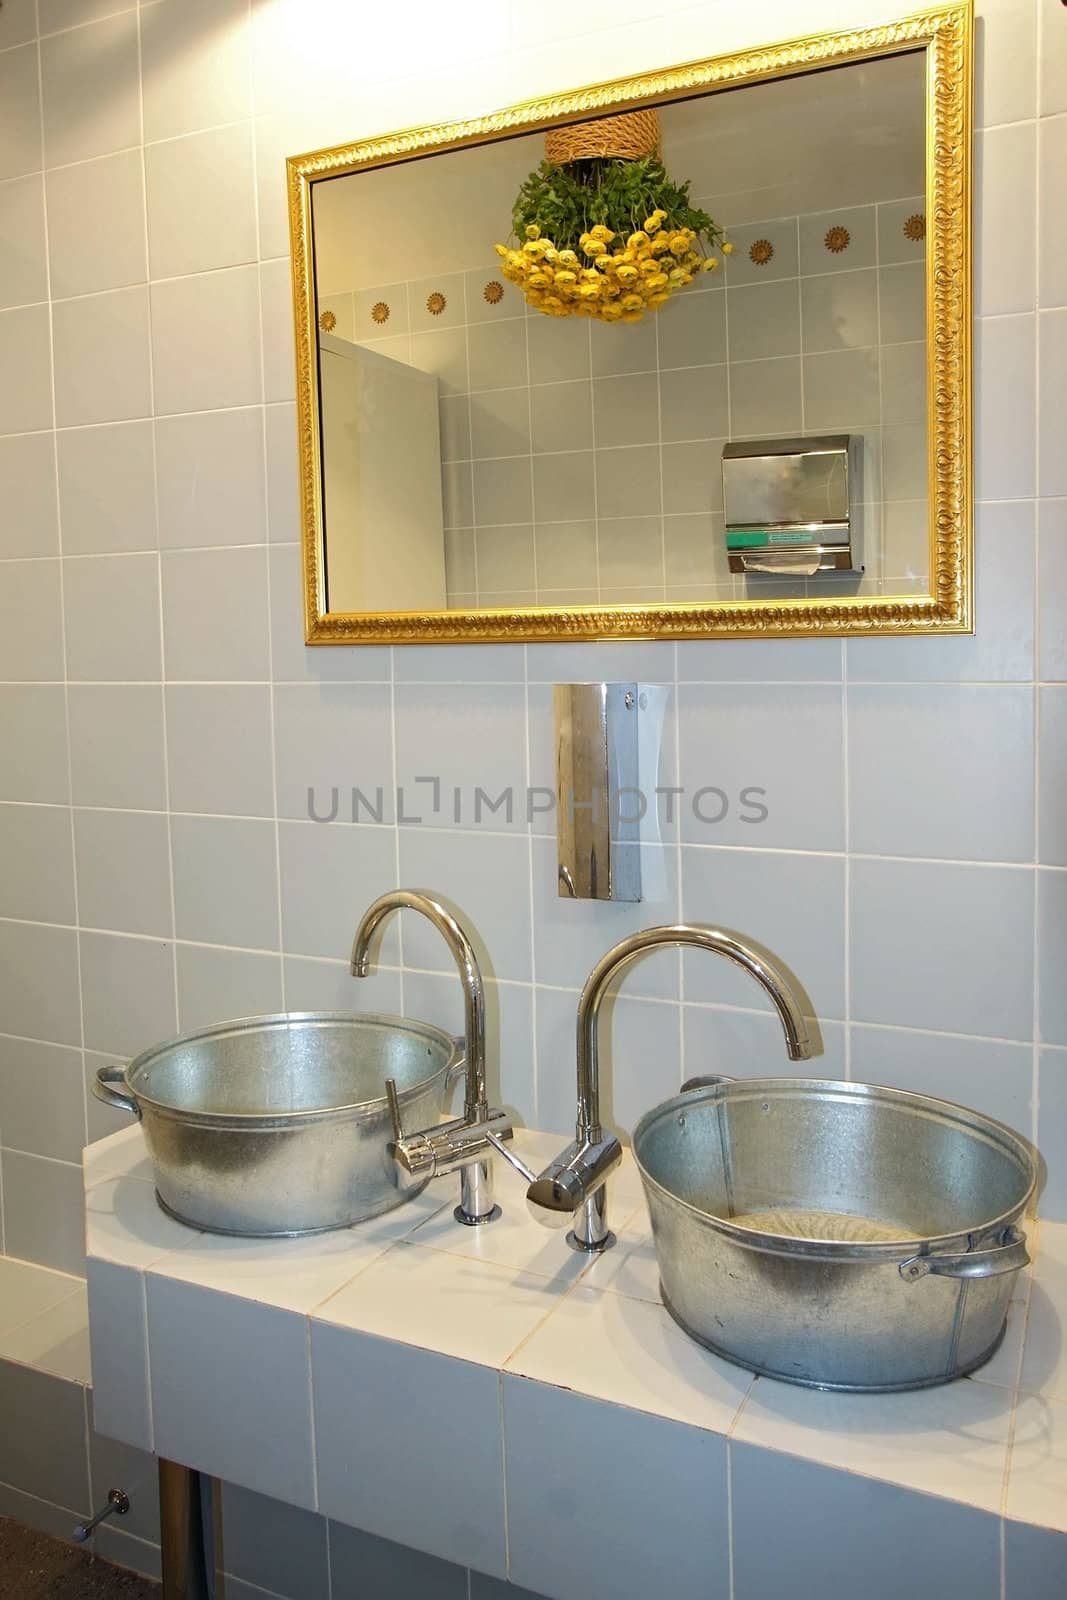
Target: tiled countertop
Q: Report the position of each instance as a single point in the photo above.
(413, 1354)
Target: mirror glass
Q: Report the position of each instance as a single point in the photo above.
(539, 415)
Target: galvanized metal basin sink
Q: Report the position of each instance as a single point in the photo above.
(280, 1125)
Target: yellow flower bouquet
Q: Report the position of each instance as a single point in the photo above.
(606, 238)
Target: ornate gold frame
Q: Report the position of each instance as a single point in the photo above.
(946, 33)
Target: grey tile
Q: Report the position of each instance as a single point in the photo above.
(1004, 417)
(215, 621)
(1003, 647)
(363, 1565)
(1051, 1123)
(624, 348)
(107, 495)
(564, 486)
(216, 985)
(19, 25)
(123, 864)
(942, 770)
(905, 468)
(333, 737)
(34, 1513)
(562, 416)
(101, 1120)
(44, 1212)
(437, 998)
(841, 390)
(1052, 343)
(116, 745)
(893, 243)
(694, 551)
(840, 310)
(902, 303)
(984, 1073)
(39, 982)
(96, 225)
(903, 383)
(291, 659)
(112, 617)
(455, 413)
(1035, 1562)
(943, 947)
(206, 341)
(210, 472)
(279, 1547)
(627, 482)
(468, 738)
(500, 423)
(195, 68)
(211, 1404)
(763, 661)
(558, 350)
(454, 1517)
(487, 880)
(102, 366)
(571, 935)
(1052, 779)
(749, 1044)
(283, 489)
(692, 478)
(36, 864)
(1052, 589)
(497, 354)
(460, 663)
(136, 1555)
(210, 175)
(783, 740)
(22, 112)
(764, 320)
(28, 489)
(317, 985)
(42, 1448)
(626, 410)
(860, 250)
(27, 405)
(781, 234)
(694, 403)
(24, 275)
(32, 721)
(566, 554)
(42, 1102)
(506, 560)
(119, 1348)
(765, 397)
(794, 905)
(31, 622)
(128, 993)
(329, 873)
(91, 90)
(444, 353)
(962, 1542)
(631, 551)
(654, 1473)
(1051, 942)
(691, 331)
(458, 494)
(219, 747)
(225, 881)
(480, 309)
(502, 491)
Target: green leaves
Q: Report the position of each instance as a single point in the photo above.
(566, 202)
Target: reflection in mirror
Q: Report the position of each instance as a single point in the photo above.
(478, 452)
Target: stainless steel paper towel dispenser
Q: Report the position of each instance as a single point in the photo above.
(792, 505)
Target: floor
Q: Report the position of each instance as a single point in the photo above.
(35, 1567)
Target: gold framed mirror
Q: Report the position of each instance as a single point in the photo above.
(497, 443)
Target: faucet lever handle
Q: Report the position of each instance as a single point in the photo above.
(526, 1173)
(394, 1109)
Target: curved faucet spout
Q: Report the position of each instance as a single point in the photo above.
(464, 1143)
(717, 941)
(470, 976)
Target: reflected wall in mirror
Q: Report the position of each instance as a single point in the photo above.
(517, 394)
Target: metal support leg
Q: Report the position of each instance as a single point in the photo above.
(181, 1533)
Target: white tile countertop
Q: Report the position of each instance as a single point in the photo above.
(491, 1397)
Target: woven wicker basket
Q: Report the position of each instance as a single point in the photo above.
(627, 136)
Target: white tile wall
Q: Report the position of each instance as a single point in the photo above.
(897, 867)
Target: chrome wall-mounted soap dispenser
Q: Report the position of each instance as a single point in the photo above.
(599, 804)
(792, 505)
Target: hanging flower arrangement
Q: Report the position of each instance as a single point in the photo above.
(601, 230)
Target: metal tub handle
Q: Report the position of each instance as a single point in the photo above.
(708, 1082)
(1008, 1256)
(102, 1089)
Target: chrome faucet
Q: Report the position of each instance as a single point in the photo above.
(462, 1142)
(576, 1181)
